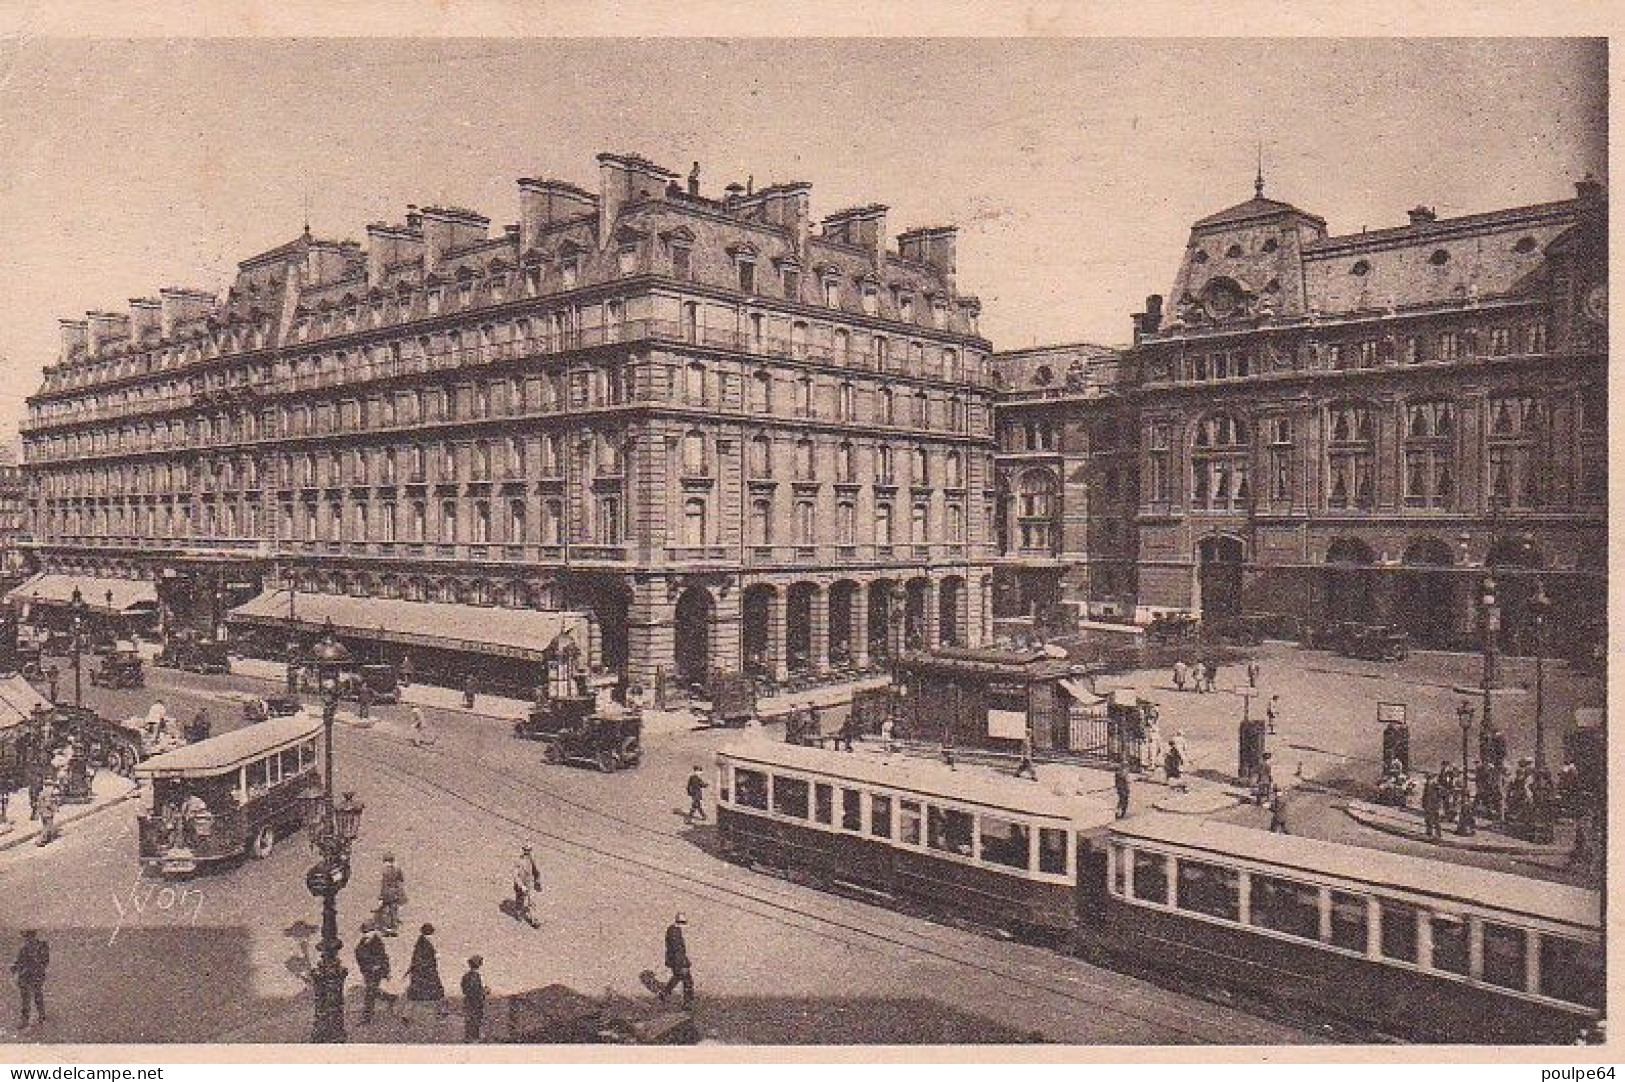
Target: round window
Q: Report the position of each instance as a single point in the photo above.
(1439, 258)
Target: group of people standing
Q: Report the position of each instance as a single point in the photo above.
(1200, 676)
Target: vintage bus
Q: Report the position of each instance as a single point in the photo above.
(1389, 944)
(228, 795)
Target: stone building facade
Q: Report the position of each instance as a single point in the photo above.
(1356, 427)
(733, 438)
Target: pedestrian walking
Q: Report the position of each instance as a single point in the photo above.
(1272, 713)
(51, 677)
(404, 671)
(33, 958)
(1278, 811)
(1264, 783)
(363, 698)
(423, 977)
(1212, 674)
(1173, 761)
(50, 799)
(527, 881)
(422, 736)
(391, 896)
(696, 795)
(682, 971)
(1181, 673)
(475, 993)
(468, 692)
(1252, 672)
(887, 727)
(372, 959)
(1120, 780)
(1432, 806)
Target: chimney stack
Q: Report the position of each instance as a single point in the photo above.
(1422, 215)
(177, 306)
(74, 339)
(864, 227)
(144, 318)
(1588, 188)
(1148, 321)
(622, 179)
(543, 203)
(105, 329)
(446, 229)
(388, 245)
(936, 246)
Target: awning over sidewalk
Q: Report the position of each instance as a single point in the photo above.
(515, 633)
(52, 588)
(18, 701)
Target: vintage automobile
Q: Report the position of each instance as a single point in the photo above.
(257, 709)
(732, 697)
(1375, 642)
(1171, 628)
(1328, 634)
(580, 729)
(383, 681)
(193, 653)
(560, 1015)
(121, 669)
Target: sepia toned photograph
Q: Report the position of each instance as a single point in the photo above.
(803, 542)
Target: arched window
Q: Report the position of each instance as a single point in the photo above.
(843, 402)
(883, 465)
(482, 522)
(761, 392)
(516, 522)
(883, 524)
(846, 463)
(1221, 464)
(954, 470)
(1350, 456)
(806, 460)
(694, 383)
(609, 519)
(922, 467)
(761, 521)
(888, 406)
(1036, 509)
(694, 532)
(552, 522)
(695, 463)
(761, 455)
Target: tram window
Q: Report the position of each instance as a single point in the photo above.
(290, 762)
(1150, 877)
(880, 815)
(823, 803)
(1571, 971)
(949, 830)
(273, 771)
(307, 752)
(851, 809)
(750, 788)
(1210, 889)
(1005, 842)
(1284, 906)
(1398, 931)
(1449, 943)
(908, 822)
(1052, 850)
(790, 796)
(1505, 948)
(1119, 866)
(1349, 921)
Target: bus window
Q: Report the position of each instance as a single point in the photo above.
(259, 778)
(307, 752)
(949, 830)
(290, 762)
(1349, 921)
(273, 769)
(1571, 971)
(1449, 943)
(1284, 906)
(790, 796)
(1120, 860)
(880, 815)
(750, 788)
(1150, 877)
(1505, 951)
(908, 821)
(1005, 842)
(1053, 846)
(823, 803)
(1398, 931)
(851, 809)
(1210, 889)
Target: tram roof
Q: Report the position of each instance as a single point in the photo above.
(1559, 902)
(969, 784)
(229, 750)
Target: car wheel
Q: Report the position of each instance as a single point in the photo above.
(607, 761)
(264, 841)
(552, 753)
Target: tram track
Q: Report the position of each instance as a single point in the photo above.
(1077, 990)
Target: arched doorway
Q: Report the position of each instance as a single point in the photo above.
(1513, 562)
(1428, 613)
(916, 598)
(841, 597)
(1218, 581)
(798, 625)
(950, 597)
(1348, 580)
(694, 619)
(756, 625)
(880, 606)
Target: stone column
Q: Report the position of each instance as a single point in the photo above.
(860, 626)
(818, 618)
(778, 652)
(932, 624)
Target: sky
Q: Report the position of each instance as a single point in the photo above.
(1073, 168)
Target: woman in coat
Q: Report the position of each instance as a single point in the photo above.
(423, 977)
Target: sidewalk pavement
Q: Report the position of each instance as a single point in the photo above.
(106, 790)
(1491, 837)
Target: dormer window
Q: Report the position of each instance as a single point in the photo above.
(569, 269)
(499, 287)
(437, 298)
(352, 317)
(905, 308)
(533, 281)
(465, 294)
(626, 258)
(1270, 245)
(747, 276)
(1233, 252)
(832, 292)
(871, 299)
(792, 283)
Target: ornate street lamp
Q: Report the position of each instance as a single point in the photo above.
(77, 608)
(76, 788)
(1539, 605)
(333, 830)
(1464, 818)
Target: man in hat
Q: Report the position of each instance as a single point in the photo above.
(32, 959)
(696, 795)
(391, 896)
(527, 880)
(372, 959)
(475, 993)
(677, 961)
(1120, 780)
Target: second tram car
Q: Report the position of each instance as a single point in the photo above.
(1394, 944)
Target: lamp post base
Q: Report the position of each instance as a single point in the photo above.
(327, 984)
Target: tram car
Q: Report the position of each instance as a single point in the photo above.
(1387, 944)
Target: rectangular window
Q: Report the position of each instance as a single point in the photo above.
(1571, 971)
(289, 762)
(851, 809)
(1284, 906)
(1151, 877)
(790, 796)
(1449, 943)
(908, 821)
(1348, 921)
(880, 815)
(1005, 842)
(1209, 889)
(1120, 865)
(1398, 931)
(750, 788)
(949, 831)
(1505, 955)
(823, 803)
